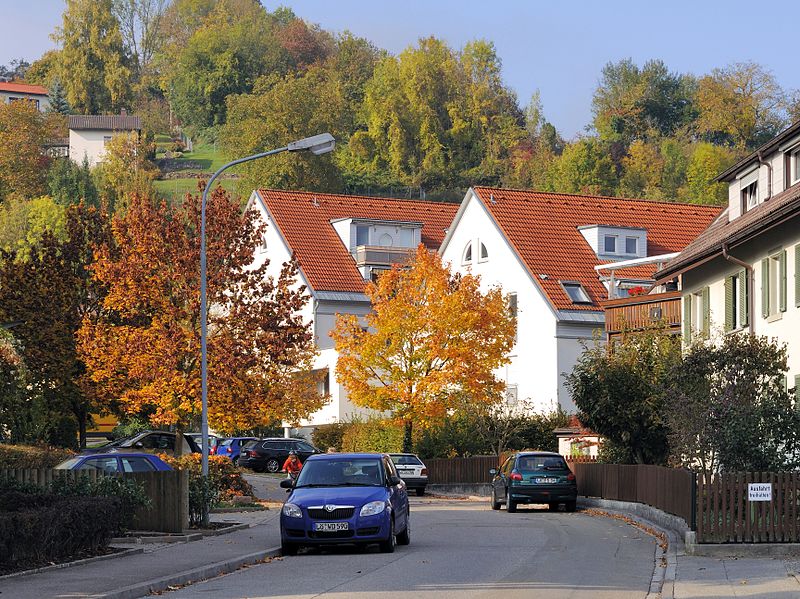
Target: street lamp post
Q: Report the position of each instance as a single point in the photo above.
(317, 144)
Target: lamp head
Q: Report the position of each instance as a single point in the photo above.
(316, 144)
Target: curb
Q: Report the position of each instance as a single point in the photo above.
(183, 538)
(142, 589)
(79, 562)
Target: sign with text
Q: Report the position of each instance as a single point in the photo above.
(759, 491)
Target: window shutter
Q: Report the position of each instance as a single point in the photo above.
(730, 317)
(765, 287)
(744, 298)
(705, 298)
(687, 319)
(797, 275)
(797, 391)
(782, 281)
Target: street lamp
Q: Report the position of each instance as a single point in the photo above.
(317, 144)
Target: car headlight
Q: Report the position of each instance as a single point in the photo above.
(373, 508)
(290, 510)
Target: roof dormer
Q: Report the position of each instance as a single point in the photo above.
(378, 243)
(615, 243)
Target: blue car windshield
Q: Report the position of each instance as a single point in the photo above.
(345, 472)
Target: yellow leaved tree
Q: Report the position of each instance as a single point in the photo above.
(431, 338)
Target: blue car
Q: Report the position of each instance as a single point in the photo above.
(115, 463)
(231, 447)
(346, 498)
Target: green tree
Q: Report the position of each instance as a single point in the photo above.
(57, 98)
(706, 162)
(92, 62)
(620, 393)
(140, 27)
(70, 183)
(126, 170)
(23, 223)
(642, 172)
(583, 167)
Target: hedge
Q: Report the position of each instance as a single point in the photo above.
(38, 529)
(32, 456)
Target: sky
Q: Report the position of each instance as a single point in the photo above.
(557, 47)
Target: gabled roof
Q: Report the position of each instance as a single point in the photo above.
(732, 232)
(22, 88)
(542, 228)
(304, 220)
(111, 122)
(766, 149)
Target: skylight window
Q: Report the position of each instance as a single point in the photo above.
(576, 292)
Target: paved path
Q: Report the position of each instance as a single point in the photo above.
(461, 549)
(754, 578)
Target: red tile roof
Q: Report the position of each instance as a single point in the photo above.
(304, 220)
(22, 88)
(543, 229)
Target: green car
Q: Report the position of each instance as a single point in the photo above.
(534, 477)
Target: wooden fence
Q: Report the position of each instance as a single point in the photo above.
(726, 515)
(168, 492)
(473, 470)
(668, 489)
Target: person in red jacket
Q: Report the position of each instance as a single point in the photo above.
(292, 465)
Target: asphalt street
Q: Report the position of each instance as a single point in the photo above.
(463, 549)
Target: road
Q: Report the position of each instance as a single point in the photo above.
(463, 550)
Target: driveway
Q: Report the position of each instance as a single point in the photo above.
(463, 549)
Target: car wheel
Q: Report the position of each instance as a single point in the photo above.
(288, 548)
(404, 538)
(553, 507)
(235, 461)
(511, 506)
(389, 544)
(420, 491)
(273, 465)
(495, 502)
(571, 505)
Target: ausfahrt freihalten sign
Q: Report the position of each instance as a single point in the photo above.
(759, 492)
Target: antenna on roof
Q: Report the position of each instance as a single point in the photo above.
(315, 202)
(491, 198)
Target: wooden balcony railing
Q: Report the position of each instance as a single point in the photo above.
(643, 311)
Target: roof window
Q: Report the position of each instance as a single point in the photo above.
(576, 292)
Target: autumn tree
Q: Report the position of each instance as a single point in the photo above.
(144, 353)
(23, 223)
(431, 337)
(126, 170)
(586, 167)
(706, 162)
(92, 62)
(140, 27)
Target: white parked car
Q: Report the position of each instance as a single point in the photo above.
(411, 470)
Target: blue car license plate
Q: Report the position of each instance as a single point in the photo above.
(331, 526)
(545, 481)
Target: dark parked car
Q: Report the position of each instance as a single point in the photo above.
(149, 441)
(346, 498)
(534, 477)
(232, 447)
(113, 463)
(270, 454)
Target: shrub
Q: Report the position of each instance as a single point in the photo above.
(329, 435)
(373, 434)
(30, 456)
(130, 493)
(44, 528)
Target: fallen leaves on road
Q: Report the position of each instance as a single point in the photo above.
(660, 537)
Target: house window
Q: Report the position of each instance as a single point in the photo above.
(737, 301)
(263, 246)
(513, 311)
(375, 274)
(362, 235)
(794, 166)
(631, 245)
(750, 196)
(576, 292)
(466, 258)
(484, 253)
(610, 244)
(696, 315)
(512, 395)
(106, 139)
(324, 384)
(773, 285)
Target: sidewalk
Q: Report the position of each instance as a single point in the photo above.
(122, 578)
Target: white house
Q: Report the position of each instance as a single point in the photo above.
(89, 134)
(541, 248)
(16, 92)
(339, 243)
(743, 272)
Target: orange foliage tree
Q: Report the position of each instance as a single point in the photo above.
(433, 337)
(145, 352)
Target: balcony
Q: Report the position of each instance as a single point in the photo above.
(640, 312)
(375, 255)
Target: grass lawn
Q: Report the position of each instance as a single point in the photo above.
(206, 156)
(174, 189)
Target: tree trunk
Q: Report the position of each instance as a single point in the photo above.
(82, 418)
(178, 450)
(408, 445)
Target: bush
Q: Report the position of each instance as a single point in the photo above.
(373, 434)
(130, 493)
(329, 435)
(30, 456)
(37, 529)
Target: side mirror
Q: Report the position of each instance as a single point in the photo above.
(493, 471)
(395, 480)
(287, 483)
(138, 445)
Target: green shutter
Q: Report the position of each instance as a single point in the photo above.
(797, 391)
(687, 319)
(782, 281)
(744, 298)
(797, 275)
(730, 307)
(765, 287)
(706, 299)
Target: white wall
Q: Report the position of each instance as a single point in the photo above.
(89, 143)
(534, 365)
(43, 102)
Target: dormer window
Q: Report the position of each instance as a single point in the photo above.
(484, 253)
(631, 245)
(362, 235)
(576, 292)
(467, 256)
(794, 166)
(610, 244)
(750, 196)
